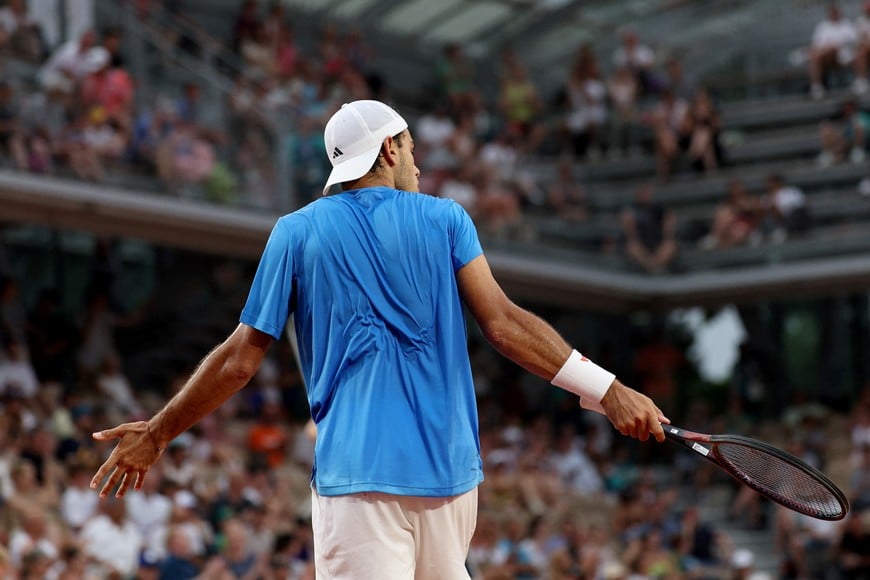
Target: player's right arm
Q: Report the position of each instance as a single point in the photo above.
(533, 344)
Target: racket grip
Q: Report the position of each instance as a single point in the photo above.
(592, 405)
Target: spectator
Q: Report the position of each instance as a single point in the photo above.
(832, 46)
(862, 52)
(71, 63)
(853, 546)
(672, 126)
(11, 136)
(520, 105)
(650, 232)
(786, 209)
(267, 439)
(31, 535)
(639, 59)
(736, 219)
(78, 502)
(16, 371)
(246, 23)
(845, 137)
(150, 512)
(114, 384)
(656, 363)
(586, 96)
(566, 197)
(19, 33)
(456, 79)
(183, 562)
(622, 90)
(704, 150)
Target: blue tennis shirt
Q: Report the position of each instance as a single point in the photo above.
(370, 276)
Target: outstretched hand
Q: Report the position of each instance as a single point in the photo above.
(131, 459)
(632, 413)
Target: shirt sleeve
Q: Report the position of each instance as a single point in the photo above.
(465, 245)
(271, 294)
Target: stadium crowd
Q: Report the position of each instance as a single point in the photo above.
(564, 497)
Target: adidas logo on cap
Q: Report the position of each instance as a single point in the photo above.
(336, 152)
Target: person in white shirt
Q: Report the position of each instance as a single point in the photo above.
(32, 534)
(833, 45)
(151, 511)
(72, 62)
(78, 502)
(112, 539)
(16, 372)
(787, 208)
(639, 58)
(862, 51)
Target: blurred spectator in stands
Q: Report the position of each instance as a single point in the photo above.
(267, 438)
(704, 149)
(806, 542)
(257, 52)
(845, 136)
(622, 90)
(150, 511)
(333, 58)
(573, 464)
(112, 41)
(498, 207)
(247, 20)
(97, 332)
(74, 146)
(656, 363)
(786, 209)
(640, 59)
(32, 534)
(20, 33)
(185, 158)
(115, 386)
(16, 371)
(78, 501)
(434, 130)
(672, 132)
(520, 105)
(182, 561)
(586, 104)
(11, 135)
(286, 53)
(862, 52)
(456, 79)
(459, 186)
(852, 548)
(650, 232)
(237, 554)
(859, 481)
(112, 539)
(566, 197)
(736, 219)
(276, 16)
(71, 62)
(13, 316)
(832, 46)
(151, 128)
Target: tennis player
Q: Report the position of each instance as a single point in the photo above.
(376, 276)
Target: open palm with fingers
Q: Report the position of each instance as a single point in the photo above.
(136, 452)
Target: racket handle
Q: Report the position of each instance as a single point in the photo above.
(591, 405)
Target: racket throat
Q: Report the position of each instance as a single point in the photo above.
(698, 448)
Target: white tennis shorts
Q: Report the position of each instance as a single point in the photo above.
(379, 536)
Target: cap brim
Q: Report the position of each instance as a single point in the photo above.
(352, 168)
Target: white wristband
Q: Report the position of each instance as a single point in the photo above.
(584, 378)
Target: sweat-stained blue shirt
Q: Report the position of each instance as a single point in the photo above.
(370, 275)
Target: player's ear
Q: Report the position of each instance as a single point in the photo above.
(390, 151)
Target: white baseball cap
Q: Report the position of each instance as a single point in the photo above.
(354, 135)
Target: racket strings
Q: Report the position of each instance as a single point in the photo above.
(780, 480)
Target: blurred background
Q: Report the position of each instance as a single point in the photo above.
(680, 186)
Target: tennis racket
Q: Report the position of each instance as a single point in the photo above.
(775, 474)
